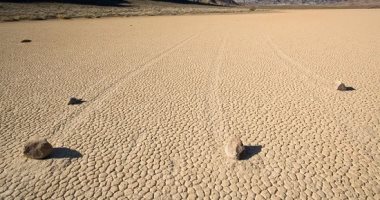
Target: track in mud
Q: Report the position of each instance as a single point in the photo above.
(164, 94)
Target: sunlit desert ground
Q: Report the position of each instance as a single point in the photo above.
(163, 94)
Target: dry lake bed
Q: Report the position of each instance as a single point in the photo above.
(161, 96)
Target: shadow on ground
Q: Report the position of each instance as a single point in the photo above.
(63, 152)
(250, 151)
(114, 3)
(75, 101)
(26, 41)
(350, 89)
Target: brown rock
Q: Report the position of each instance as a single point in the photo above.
(340, 86)
(75, 101)
(234, 148)
(38, 149)
(26, 41)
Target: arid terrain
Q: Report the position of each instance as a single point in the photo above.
(17, 10)
(67, 9)
(163, 94)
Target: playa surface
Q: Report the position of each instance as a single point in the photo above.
(163, 94)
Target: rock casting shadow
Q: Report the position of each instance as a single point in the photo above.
(250, 151)
(26, 41)
(64, 152)
(75, 101)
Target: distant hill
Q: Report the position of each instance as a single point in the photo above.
(200, 2)
(216, 2)
(310, 2)
(286, 2)
(16, 10)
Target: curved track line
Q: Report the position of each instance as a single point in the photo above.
(354, 127)
(215, 84)
(61, 125)
(216, 118)
(299, 67)
(146, 65)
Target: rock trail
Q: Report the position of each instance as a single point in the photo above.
(156, 119)
(102, 94)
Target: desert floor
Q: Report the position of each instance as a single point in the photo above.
(163, 94)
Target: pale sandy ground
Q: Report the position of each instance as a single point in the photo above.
(163, 94)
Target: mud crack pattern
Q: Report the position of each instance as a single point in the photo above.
(163, 95)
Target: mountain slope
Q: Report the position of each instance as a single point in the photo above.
(311, 2)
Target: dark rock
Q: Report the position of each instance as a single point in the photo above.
(38, 149)
(340, 86)
(75, 101)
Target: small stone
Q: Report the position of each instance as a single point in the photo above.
(75, 101)
(234, 148)
(340, 86)
(26, 41)
(38, 149)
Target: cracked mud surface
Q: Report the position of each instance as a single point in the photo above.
(163, 95)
